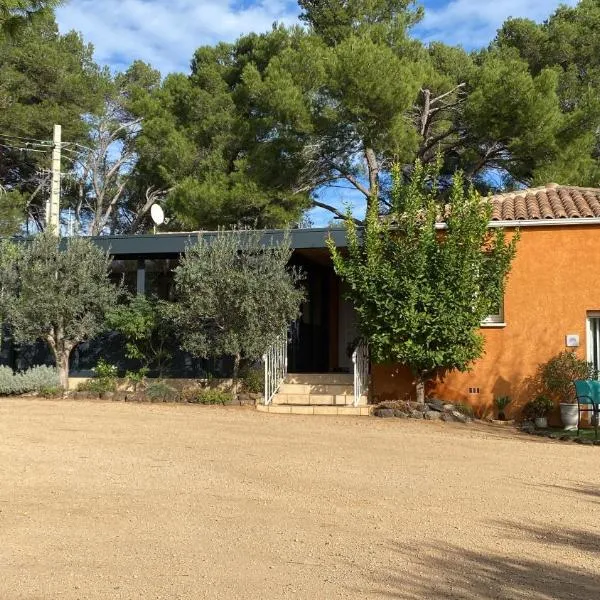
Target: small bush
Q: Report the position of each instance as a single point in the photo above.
(51, 392)
(25, 382)
(540, 407)
(465, 409)
(253, 381)
(501, 403)
(136, 378)
(162, 392)
(208, 396)
(557, 375)
(105, 379)
(98, 386)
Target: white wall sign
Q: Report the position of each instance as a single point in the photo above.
(572, 340)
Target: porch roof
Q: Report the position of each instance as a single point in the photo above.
(174, 244)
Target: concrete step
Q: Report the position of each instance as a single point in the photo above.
(317, 399)
(320, 378)
(328, 389)
(350, 411)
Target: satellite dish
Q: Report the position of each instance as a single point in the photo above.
(157, 214)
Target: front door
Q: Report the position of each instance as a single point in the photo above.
(308, 347)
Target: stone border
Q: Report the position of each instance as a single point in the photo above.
(529, 428)
(431, 410)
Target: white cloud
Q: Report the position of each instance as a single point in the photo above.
(165, 33)
(473, 23)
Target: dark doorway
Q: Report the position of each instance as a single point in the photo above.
(308, 346)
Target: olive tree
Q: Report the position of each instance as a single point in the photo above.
(236, 295)
(424, 277)
(57, 291)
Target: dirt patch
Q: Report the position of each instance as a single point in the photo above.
(107, 500)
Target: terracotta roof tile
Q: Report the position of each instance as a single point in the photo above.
(549, 202)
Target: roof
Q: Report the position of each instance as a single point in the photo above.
(551, 201)
(550, 205)
(174, 244)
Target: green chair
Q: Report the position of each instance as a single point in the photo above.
(588, 400)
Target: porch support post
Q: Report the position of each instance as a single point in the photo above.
(334, 321)
(141, 277)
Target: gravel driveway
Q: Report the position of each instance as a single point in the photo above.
(103, 501)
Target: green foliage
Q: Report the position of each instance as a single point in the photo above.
(253, 381)
(501, 403)
(147, 328)
(136, 378)
(538, 408)
(557, 375)
(236, 294)
(16, 14)
(420, 293)
(208, 396)
(51, 392)
(105, 370)
(104, 380)
(36, 379)
(45, 78)
(465, 409)
(161, 392)
(567, 43)
(56, 291)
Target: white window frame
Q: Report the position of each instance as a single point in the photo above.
(495, 320)
(589, 337)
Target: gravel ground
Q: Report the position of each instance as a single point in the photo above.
(103, 501)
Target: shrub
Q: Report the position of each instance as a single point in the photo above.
(105, 379)
(51, 392)
(253, 381)
(557, 375)
(32, 380)
(162, 392)
(465, 409)
(209, 396)
(540, 407)
(136, 378)
(97, 386)
(501, 403)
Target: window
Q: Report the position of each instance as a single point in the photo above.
(593, 338)
(495, 319)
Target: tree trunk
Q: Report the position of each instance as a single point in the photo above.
(420, 387)
(236, 371)
(373, 168)
(63, 369)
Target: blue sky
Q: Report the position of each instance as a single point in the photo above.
(165, 33)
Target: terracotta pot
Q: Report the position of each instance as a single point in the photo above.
(569, 415)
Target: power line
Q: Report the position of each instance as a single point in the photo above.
(24, 149)
(26, 139)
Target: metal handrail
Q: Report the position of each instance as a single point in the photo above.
(360, 360)
(276, 366)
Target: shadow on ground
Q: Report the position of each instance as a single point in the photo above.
(450, 572)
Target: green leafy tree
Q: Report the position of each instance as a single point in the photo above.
(262, 125)
(567, 44)
(45, 78)
(421, 292)
(145, 324)
(58, 292)
(236, 294)
(15, 14)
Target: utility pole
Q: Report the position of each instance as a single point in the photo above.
(53, 203)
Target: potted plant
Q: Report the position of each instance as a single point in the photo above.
(557, 377)
(501, 403)
(537, 411)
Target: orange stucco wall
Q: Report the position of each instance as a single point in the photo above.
(554, 282)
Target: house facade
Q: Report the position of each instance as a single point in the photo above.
(552, 303)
